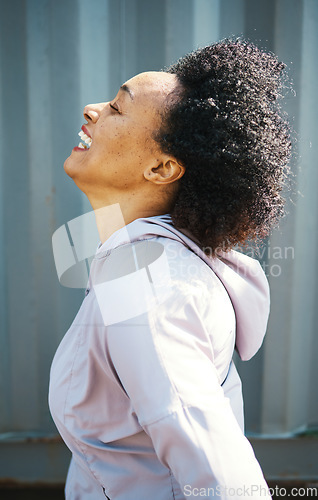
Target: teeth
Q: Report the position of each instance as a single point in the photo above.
(83, 136)
(87, 140)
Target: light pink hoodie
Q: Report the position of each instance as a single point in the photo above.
(142, 389)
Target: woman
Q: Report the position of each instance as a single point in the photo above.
(189, 162)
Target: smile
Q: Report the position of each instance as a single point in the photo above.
(86, 141)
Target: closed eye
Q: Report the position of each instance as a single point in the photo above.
(114, 108)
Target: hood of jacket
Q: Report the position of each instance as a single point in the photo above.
(242, 277)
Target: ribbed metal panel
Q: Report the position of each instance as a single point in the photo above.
(55, 57)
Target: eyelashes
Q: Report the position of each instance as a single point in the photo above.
(114, 108)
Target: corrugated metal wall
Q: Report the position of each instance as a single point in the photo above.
(55, 57)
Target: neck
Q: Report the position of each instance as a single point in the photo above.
(114, 216)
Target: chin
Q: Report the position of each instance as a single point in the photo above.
(69, 167)
(66, 169)
(72, 170)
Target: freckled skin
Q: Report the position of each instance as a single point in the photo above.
(123, 154)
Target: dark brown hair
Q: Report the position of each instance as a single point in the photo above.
(225, 127)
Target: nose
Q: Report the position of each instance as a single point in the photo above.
(92, 111)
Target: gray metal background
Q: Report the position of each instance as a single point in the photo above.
(55, 57)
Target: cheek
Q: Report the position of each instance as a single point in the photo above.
(129, 143)
(115, 140)
(131, 147)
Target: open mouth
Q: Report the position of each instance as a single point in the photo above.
(86, 141)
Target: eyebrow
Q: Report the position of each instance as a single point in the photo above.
(125, 88)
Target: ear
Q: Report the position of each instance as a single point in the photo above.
(168, 171)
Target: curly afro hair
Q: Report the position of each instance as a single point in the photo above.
(224, 125)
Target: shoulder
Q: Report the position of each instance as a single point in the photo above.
(157, 275)
(165, 283)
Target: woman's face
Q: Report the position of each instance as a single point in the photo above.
(121, 130)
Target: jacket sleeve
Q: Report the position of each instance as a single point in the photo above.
(164, 361)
